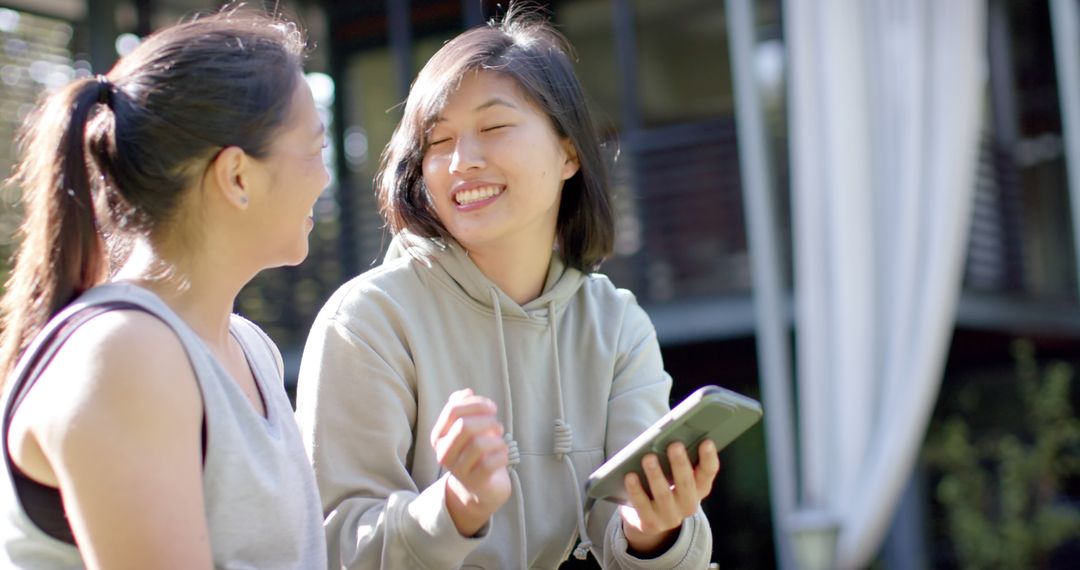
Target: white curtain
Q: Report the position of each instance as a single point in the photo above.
(885, 104)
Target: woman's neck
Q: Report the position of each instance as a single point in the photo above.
(519, 270)
(199, 292)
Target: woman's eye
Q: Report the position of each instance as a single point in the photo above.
(438, 141)
(492, 128)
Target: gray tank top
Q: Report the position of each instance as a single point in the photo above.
(261, 502)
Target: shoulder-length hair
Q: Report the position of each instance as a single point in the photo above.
(526, 48)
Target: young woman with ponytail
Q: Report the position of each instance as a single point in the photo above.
(144, 425)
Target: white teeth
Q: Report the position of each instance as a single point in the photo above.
(476, 194)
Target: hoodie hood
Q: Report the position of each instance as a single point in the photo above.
(460, 273)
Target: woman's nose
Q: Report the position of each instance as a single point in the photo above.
(468, 155)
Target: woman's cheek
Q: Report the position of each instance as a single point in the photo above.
(313, 164)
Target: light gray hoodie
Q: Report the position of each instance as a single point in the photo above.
(576, 374)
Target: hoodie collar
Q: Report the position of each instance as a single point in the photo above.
(459, 271)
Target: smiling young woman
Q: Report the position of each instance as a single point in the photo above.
(494, 170)
(454, 399)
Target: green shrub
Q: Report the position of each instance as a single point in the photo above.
(1001, 484)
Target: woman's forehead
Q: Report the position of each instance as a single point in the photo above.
(437, 99)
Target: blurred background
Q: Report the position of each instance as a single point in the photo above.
(993, 482)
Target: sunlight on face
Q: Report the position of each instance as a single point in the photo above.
(494, 166)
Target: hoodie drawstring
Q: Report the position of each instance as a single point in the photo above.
(508, 434)
(564, 439)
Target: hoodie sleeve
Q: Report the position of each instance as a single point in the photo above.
(356, 410)
(640, 394)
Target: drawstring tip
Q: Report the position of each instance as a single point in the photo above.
(582, 550)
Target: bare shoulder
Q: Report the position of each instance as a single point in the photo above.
(114, 422)
(132, 350)
(119, 368)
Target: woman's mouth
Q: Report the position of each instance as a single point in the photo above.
(477, 196)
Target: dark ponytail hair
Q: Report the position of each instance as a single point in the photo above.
(111, 156)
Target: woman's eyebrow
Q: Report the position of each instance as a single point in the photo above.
(493, 102)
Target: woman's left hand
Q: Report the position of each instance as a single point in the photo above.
(651, 525)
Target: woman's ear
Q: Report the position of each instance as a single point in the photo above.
(229, 171)
(571, 165)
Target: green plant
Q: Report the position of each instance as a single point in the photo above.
(1001, 484)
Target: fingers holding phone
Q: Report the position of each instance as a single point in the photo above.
(707, 468)
(711, 414)
(659, 504)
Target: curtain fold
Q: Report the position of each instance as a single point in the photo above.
(885, 106)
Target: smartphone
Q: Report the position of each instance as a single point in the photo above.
(711, 412)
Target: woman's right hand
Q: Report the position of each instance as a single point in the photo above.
(468, 442)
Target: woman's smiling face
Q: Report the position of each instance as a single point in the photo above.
(494, 166)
